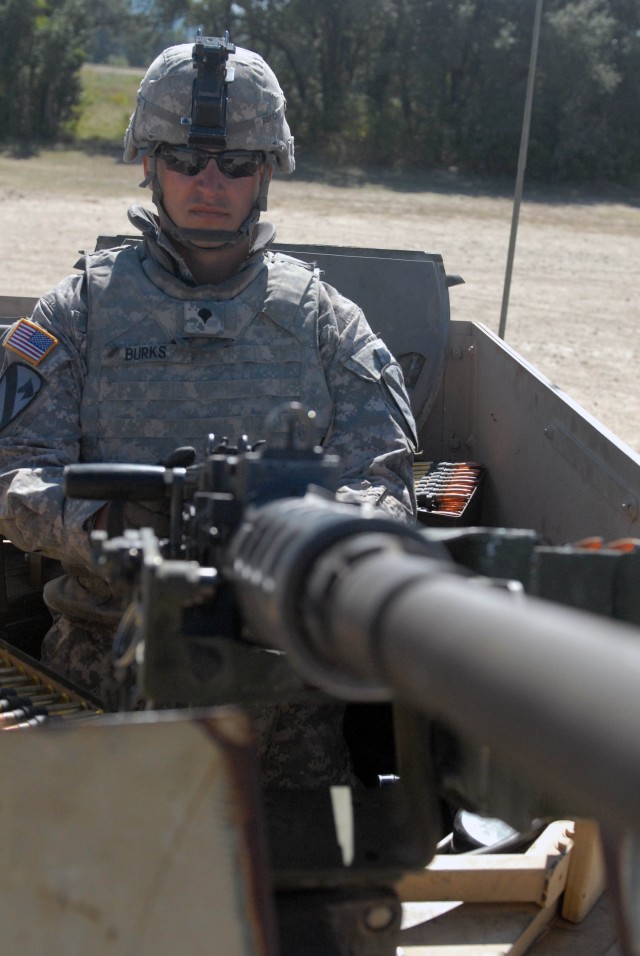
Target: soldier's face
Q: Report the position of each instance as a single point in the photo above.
(208, 200)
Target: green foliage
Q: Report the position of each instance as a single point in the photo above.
(133, 32)
(406, 84)
(577, 88)
(42, 47)
(106, 102)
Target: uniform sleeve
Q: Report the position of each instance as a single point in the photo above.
(372, 430)
(41, 380)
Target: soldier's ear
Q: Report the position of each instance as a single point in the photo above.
(266, 172)
(149, 167)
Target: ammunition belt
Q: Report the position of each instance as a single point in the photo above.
(32, 696)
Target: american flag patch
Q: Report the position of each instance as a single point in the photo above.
(30, 341)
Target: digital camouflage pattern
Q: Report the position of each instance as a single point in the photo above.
(131, 358)
(299, 746)
(255, 107)
(369, 425)
(274, 332)
(150, 372)
(81, 652)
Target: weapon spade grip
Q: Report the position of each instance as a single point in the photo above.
(115, 482)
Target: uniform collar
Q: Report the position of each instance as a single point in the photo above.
(163, 251)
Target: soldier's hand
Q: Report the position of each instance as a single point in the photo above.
(115, 516)
(182, 457)
(148, 514)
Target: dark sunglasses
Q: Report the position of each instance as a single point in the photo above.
(235, 163)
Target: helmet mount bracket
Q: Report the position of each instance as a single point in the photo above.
(208, 120)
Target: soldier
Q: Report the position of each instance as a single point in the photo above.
(198, 327)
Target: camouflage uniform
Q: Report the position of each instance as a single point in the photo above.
(129, 359)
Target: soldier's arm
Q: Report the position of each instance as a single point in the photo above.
(41, 379)
(372, 429)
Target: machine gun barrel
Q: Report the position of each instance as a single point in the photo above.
(362, 613)
(369, 609)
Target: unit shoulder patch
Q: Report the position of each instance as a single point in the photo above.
(18, 387)
(30, 341)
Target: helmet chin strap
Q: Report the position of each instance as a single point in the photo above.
(206, 238)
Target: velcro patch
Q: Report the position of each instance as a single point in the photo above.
(199, 319)
(30, 342)
(125, 354)
(18, 387)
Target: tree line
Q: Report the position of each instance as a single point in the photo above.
(404, 84)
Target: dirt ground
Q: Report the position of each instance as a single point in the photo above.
(574, 306)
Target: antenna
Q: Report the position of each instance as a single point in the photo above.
(522, 162)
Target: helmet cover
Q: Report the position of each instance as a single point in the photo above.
(255, 105)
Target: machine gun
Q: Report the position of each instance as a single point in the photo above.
(268, 588)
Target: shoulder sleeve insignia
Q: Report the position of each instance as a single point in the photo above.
(18, 387)
(30, 341)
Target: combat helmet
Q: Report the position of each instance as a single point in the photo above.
(215, 96)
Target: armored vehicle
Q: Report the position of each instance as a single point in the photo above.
(490, 660)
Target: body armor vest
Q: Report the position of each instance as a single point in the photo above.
(168, 364)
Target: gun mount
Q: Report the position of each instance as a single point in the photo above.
(270, 588)
(129, 826)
